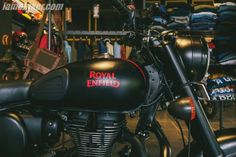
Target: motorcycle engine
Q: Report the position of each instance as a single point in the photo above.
(94, 133)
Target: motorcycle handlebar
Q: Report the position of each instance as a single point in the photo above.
(122, 8)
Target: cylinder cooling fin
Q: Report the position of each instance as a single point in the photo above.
(95, 133)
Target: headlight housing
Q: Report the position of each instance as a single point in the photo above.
(195, 55)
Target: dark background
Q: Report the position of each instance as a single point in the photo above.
(109, 16)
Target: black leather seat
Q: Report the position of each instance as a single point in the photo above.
(13, 91)
(226, 139)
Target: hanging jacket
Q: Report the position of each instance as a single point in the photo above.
(74, 52)
(44, 42)
(128, 51)
(110, 48)
(117, 50)
(80, 50)
(68, 51)
(102, 47)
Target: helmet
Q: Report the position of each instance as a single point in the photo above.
(20, 40)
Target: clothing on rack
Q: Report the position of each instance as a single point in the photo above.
(123, 51)
(227, 17)
(84, 51)
(68, 50)
(74, 56)
(225, 51)
(110, 48)
(102, 47)
(178, 9)
(117, 50)
(179, 16)
(159, 16)
(204, 8)
(44, 42)
(56, 43)
(226, 57)
(203, 20)
(128, 51)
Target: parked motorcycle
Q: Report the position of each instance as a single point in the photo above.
(88, 100)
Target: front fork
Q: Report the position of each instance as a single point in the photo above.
(147, 122)
(201, 130)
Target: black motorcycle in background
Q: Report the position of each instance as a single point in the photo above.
(89, 101)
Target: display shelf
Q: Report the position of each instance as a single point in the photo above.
(203, 1)
(97, 33)
(18, 18)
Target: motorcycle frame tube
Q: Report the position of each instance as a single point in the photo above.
(165, 148)
(200, 124)
(136, 144)
(148, 122)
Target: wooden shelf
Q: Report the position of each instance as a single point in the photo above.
(202, 1)
(177, 1)
(96, 33)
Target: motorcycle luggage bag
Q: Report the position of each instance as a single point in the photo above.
(13, 137)
(98, 85)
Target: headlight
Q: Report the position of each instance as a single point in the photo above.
(195, 55)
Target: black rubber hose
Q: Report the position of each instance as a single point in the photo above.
(137, 145)
(165, 148)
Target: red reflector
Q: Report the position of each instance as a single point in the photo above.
(20, 11)
(193, 110)
(211, 45)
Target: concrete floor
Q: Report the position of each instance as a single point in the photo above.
(173, 133)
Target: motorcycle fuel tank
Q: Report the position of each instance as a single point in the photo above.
(98, 85)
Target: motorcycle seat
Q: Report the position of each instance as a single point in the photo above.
(13, 91)
(227, 140)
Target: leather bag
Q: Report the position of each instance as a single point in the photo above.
(43, 60)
